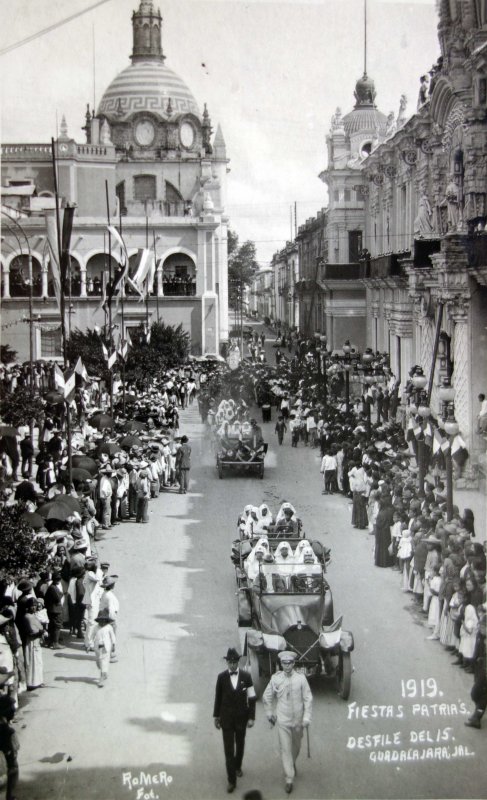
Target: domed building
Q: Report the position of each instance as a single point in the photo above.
(333, 300)
(151, 167)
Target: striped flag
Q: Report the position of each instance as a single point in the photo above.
(69, 384)
(80, 370)
(123, 349)
(410, 429)
(104, 351)
(142, 269)
(428, 434)
(58, 379)
(112, 359)
(437, 441)
(459, 452)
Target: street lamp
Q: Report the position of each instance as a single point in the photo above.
(347, 366)
(421, 408)
(323, 364)
(369, 379)
(451, 427)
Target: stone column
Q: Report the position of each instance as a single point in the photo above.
(463, 368)
(159, 284)
(82, 273)
(44, 275)
(6, 283)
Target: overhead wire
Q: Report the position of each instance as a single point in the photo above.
(50, 28)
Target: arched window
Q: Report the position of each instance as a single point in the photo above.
(366, 149)
(179, 276)
(73, 287)
(19, 277)
(97, 273)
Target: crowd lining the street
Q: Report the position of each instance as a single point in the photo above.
(120, 463)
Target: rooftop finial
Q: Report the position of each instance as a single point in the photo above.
(365, 37)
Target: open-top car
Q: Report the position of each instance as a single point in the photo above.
(284, 606)
(238, 454)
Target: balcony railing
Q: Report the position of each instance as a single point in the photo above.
(342, 272)
(385, 266)
(423, 249)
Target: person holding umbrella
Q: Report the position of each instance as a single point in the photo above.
(288, 702)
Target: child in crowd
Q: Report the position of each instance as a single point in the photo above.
(104, 643)
(434, 583)
(404, 555)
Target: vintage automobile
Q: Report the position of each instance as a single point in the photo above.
(237, 455)
(292, 610)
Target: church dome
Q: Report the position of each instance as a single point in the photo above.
(365, 120)
(146, 86)
(365, 116)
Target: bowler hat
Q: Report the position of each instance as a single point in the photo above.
(232, 655)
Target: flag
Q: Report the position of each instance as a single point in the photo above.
(417, 430)
(111, 359)
(437, 441)
(147, 337)
(428, 434)
(151, 274)
(51, 231)
(69, 384)
(142, 269)
(409, 432)
(104, 351)
(81, 370)
(65, 243)
(459, 452)
(127, 338)
(58, 379)
(123, 350)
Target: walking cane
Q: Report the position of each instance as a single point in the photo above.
(307, 741)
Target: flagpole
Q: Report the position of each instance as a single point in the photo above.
(155, 275)
(109, 293)
(122, 298)
(62, 310)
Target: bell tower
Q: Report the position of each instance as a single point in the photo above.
(147, 25)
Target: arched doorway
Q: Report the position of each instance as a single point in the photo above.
(97, 273)
(179, 275)
(19, 277)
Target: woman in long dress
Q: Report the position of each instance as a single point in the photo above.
(33, 631)
(383, 524)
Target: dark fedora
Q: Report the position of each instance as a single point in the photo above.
(232, 655)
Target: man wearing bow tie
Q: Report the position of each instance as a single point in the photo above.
(233, 713)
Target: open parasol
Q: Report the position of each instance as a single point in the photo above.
(85, 463)
(101, 421)
(131, 441)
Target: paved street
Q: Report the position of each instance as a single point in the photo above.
(178, 616)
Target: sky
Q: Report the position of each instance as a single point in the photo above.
(271, 73)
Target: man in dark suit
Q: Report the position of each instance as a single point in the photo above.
(234, 712)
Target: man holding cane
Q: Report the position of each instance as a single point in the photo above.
(289, 695)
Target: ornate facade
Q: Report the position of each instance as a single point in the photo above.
(425, 217)
(151, 163)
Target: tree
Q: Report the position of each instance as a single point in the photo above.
(168, 347)
(21, 551)
(21, 407)
(88, 346)
(7, 355)
(242, 266)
